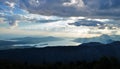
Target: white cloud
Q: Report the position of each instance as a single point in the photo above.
(36, 3)
(10, 4)
(76, 3)
(100, 20)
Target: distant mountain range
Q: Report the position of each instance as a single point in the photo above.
(105, 39)
(85, 52)
(26, 41)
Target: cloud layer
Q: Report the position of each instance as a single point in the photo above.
(88, 8)
(108, 8)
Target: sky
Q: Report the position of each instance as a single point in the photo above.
(68, 19)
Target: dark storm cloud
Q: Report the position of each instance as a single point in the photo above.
(104, 7)
(101, 8)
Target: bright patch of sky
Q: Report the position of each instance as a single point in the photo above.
(9, 8)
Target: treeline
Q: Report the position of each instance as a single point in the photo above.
(103, 63)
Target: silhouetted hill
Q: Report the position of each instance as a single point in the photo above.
(92, 44)
(88, 52)
(103, 63)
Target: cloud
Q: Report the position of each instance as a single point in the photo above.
(73, 10)
(10, 4)
(76, 3)
(13, 24)
(86, 8)
(108, 8)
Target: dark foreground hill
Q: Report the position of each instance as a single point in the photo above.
(103, 63)
(85, 52)
(86, 56)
